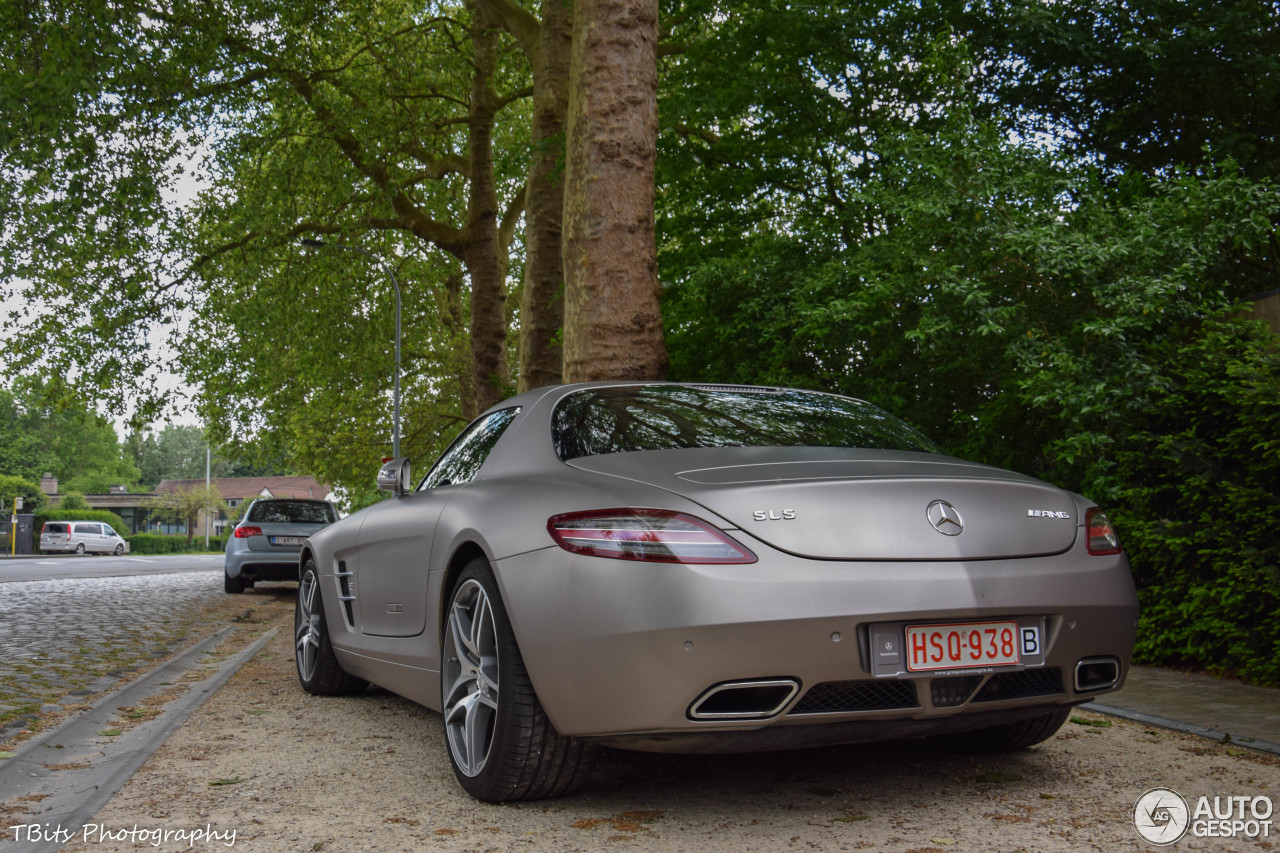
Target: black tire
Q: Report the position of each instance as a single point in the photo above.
(119, 550)
(319, 672)
(1011, 736)
(234, 586)
(524, 757)
(80, 548)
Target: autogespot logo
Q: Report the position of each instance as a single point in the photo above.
(1161, 816)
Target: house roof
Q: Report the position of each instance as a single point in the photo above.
(245, 488)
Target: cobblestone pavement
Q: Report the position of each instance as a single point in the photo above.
(63, 641)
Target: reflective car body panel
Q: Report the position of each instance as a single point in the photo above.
(849, 551)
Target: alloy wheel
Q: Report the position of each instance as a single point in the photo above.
(306, 628)
(471, 673)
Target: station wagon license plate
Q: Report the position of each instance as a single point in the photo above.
(295, 541)
(960, 646)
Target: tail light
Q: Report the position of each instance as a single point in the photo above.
(246, 532)
(1102, 539)
(647, 535)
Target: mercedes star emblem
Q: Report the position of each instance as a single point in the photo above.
(945, 518)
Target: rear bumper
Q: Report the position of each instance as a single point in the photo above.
(622, 651)
(262, 565)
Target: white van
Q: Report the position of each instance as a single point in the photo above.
(79, 537)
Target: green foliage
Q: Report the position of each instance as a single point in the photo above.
(100, 515)
(45, 427)
(33, 499)
(72, 500)
(1145, 85)
(358, 121)
(1200, 470)
(156, 543)
(175, 452)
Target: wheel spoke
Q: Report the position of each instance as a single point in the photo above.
(459, 692)
(309, 598)
(461, 639)
(479, 717)
(481, 623)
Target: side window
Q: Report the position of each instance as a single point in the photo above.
(108, 530)
(461, 462)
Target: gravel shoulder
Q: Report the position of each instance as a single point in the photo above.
(286, 771)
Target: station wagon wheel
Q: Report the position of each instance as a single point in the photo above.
(318, 669)
(501, 744)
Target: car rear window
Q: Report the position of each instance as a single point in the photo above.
(55, 527)
(665, 417)
(291, 512)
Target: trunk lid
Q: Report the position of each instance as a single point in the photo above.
(839, 504)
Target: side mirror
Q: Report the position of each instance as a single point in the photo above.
(395, 476)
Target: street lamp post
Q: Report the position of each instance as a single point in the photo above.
(395, 430)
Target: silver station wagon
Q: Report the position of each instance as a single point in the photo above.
(698, 568)
(266, 542)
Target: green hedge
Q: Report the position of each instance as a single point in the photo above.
(158, 543)
(1197, 514)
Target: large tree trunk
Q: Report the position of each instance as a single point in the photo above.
(542, 301)
(612, 322)
(480, 252)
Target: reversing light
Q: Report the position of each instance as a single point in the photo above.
(246, 532)
(647, 535)
(1102, 539)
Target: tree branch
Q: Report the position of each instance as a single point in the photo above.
(516, 20)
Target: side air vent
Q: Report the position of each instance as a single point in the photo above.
(346, 591)
(841, 697)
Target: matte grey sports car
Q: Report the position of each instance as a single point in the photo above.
(694, 568)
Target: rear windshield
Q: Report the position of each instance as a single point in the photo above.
(666, 417)
(291, 512)
(54, 527)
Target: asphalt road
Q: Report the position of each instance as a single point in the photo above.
(55, 567)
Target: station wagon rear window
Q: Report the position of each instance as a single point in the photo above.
(292, 512)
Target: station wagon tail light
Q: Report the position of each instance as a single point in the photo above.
(1102, 536)
(246, 532)
(646, 535)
